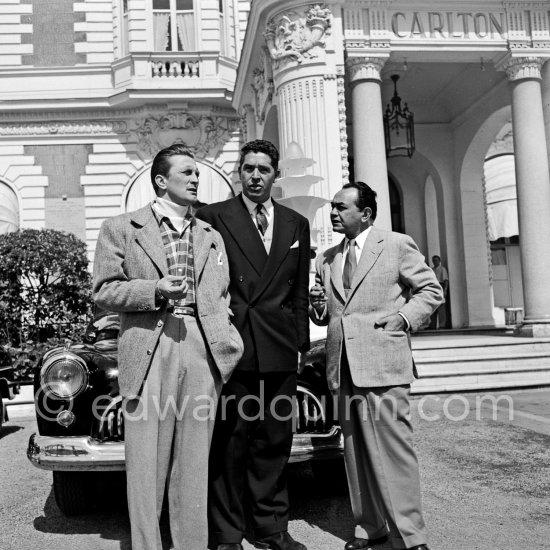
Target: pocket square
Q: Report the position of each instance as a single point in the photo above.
(220, 256)
(295, 245)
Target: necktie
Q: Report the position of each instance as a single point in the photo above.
(261, 219)
(349, 266)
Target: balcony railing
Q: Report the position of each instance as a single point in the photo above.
(174, 68)
(195, 69)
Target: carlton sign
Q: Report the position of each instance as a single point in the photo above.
(449, 25)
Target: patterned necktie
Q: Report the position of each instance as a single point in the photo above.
(349, 266)
(261, 219)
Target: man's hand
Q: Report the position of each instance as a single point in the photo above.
(318, 298)
(301, 361)
(173, 287)
(391, 322)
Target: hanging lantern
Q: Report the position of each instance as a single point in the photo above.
(398, 126)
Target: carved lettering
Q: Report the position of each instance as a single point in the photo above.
(465, 29)
(481, 26)
(448, 25)
(432, 16)
(416, 25)
(395, 25)
(497, 27)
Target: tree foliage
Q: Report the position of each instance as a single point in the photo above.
(45, 286)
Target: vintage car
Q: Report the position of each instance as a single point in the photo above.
(8, 387)
(81, 425)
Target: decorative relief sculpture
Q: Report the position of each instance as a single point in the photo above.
(295, 37)
(263, 88)
(205, 135)
(368, 68)
(518, 68)
(85, 127)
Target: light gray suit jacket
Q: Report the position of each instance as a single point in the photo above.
(391, 276)
(129, 260)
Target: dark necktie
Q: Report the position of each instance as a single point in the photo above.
(349, 266)
(261, 219)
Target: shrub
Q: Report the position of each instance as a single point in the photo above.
(45, 288)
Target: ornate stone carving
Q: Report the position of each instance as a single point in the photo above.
(204, 134)
(518, 68)
(341, 91)
(262, 86)
(365, 68)
(91, 127)
(295, 37)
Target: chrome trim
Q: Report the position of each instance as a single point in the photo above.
(88, 454)
(75, 454)
(317, 445)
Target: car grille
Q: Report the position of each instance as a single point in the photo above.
(310, 416)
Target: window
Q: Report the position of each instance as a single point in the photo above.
(124, 29)
(174, 25)
(223, 45)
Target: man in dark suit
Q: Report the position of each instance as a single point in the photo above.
(371, 290)
(268, 249)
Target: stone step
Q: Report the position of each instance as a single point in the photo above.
(480, 362)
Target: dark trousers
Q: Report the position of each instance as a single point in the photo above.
(249, 453)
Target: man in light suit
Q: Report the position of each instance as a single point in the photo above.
(373, 289)
(269, 253)
(167, 276)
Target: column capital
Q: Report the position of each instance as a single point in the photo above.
(365, 68)
(520, 68)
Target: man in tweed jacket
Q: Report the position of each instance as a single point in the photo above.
(371, 290)
(166, 274)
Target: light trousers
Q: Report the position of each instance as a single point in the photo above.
(381, 463)
(168, 430)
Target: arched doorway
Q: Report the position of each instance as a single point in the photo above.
(213, 187)
(9, 209)
(396, 206)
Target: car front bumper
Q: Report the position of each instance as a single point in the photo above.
(88, 454)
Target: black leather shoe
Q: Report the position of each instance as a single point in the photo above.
(230, 546)
(419, 547)
(279, 541)
(357, 543)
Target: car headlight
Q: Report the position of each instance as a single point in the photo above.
(64, 375)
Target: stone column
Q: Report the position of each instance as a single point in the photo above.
(308, 87)
(546, 102)
(533, 191)
(369, 149)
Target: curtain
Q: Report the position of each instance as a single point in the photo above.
(161, 21)
(186, 31)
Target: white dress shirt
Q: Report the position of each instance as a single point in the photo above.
(269, 211)
(359, 245)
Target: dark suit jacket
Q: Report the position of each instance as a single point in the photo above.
(269, 294)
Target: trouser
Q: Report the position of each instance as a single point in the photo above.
(168, 430)
(381, 463)
(439, 317)
(249, 455)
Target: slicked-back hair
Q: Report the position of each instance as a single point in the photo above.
(260, 146)
(366, 197)
(161, 162)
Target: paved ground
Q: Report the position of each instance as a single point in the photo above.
(486, 483)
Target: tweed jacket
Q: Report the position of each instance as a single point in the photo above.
(391, 276)
(269, 293)
(129, 260)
